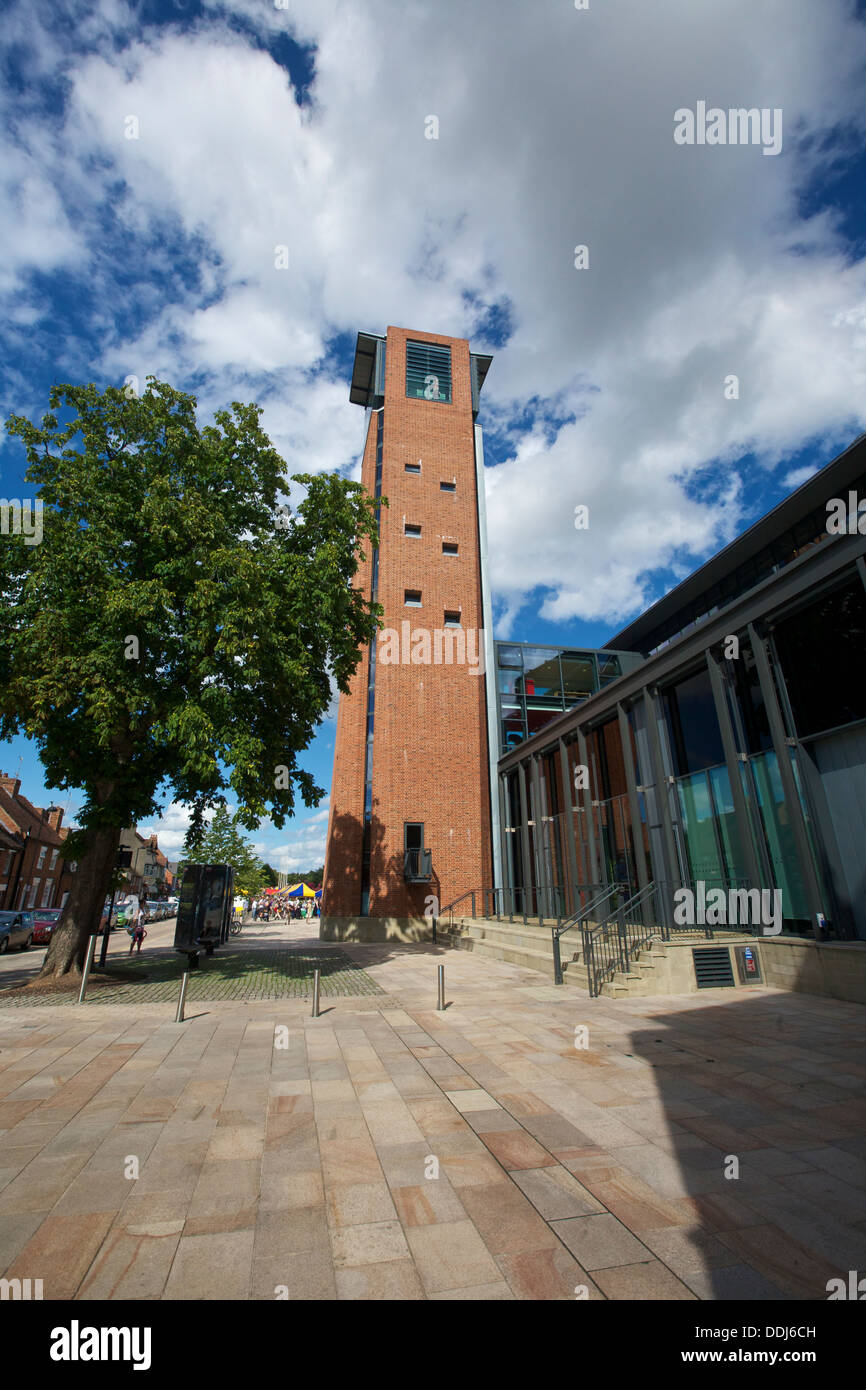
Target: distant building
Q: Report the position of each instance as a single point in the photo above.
(32, 872)
(148, 875)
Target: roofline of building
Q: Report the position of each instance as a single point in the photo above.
(808, 573)
(831, 480)
(28, 817)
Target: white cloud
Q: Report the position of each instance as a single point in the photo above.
(798, 476)
(555, 130)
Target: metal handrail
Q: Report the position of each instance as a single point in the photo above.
(449, 908)
(667, 891)
(621, 959)
(474, 893)
(576, 919)
(590, 907)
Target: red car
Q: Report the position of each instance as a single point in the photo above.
(45, 919)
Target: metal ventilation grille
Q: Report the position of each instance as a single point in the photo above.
(428, 371)
(713, 969)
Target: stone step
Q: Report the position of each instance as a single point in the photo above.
(494, 924)
(631, 980)
(477, 931)
(531, 947)
(526, 949)
(511, 955)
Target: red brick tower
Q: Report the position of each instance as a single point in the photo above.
(410, 798)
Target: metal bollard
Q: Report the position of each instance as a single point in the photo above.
(315, 994)
(88, 961)
(184, 981)
(441, 972)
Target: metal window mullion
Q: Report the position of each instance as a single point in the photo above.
(596, 875)
(673, 869)
(507, 883)
(569, 824)
(540, 850)
(634, 805)
(718, 686)
(524, 833)
(786, 772)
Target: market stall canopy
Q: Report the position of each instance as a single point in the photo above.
(300, 890)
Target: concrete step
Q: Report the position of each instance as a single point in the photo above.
(631, 983)
(512, 955)
(530, 947)
(534, 941)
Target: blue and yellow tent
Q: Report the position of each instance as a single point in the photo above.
(300, 890)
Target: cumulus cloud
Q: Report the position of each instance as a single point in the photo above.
(555, 126)
(303, 848)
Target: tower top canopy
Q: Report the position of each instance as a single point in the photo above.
(368, 371)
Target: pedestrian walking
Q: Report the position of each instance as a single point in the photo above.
(137, 931)
(138, 936)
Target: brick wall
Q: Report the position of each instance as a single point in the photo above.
(430, 743)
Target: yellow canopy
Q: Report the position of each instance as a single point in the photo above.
(300, 890)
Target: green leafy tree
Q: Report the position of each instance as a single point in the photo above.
(313, 878)
(221, 842)
(176, 630)
(271, 877)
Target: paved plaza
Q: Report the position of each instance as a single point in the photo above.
(704, 1147)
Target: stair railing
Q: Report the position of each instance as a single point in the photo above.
(609, 945)
(579, 919)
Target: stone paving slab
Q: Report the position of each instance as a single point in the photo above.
(387, 1151)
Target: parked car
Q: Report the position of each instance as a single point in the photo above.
(16, 929)
(121, 913)
(45, 919)
(153, 910)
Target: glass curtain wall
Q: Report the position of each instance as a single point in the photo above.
(537, 683)
(709, 837)
(712, 834)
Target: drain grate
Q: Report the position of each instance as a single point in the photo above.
(713, 969)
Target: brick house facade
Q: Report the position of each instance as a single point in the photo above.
(32, 872)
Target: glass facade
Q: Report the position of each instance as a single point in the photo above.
(712, 843)
(815, 647)
(535, 684)
(747, 766)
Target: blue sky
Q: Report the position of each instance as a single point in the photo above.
(256, 126)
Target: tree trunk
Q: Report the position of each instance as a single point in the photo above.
(67, 947)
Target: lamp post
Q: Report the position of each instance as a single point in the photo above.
(124, 860)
